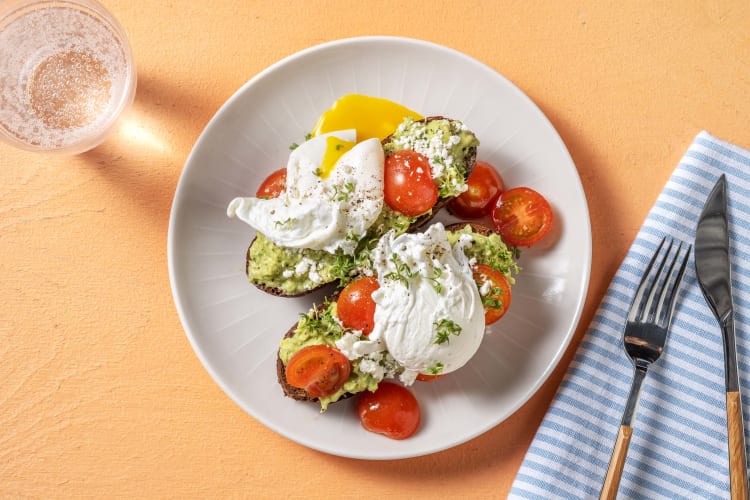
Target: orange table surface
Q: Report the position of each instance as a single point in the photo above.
(101, 394)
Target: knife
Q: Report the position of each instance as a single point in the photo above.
(714, 275)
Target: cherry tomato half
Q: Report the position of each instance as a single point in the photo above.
(497, 298)
(392, 410)
(355, 306)
(408, 184)
(319, 369)
(485, 185)
(273, 185)
(522, 216)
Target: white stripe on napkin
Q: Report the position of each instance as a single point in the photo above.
(679, 447)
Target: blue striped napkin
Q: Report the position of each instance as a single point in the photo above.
(679, 444)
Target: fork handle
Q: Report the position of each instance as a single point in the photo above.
(616, 463)
(736, 438)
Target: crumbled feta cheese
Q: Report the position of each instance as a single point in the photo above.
(309, 268)
(346, 344)
(408, 377)
(372, 367)
(485, 288)
(303, 266)
(436, 148)
(372, 356)
(314, 276)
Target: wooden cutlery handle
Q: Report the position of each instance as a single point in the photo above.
(616, 463)
(736, 437)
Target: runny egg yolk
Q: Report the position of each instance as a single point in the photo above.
(335, 148)
(371, 116)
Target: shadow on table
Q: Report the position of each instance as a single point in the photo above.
(145, 155)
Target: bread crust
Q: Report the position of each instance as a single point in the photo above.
(278, 292)
(302, 395)
(418, 223)
(475, 226)
(290, 391)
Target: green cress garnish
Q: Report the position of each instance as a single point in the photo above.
(444, 329)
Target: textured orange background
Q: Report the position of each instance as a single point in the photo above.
(100, 392)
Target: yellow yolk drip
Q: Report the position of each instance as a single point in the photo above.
(371, 116)
(335, 148)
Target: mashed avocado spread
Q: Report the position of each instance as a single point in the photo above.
(322, 326)
(297, 270)
(490, 250)
(448, 145)
(450, 148)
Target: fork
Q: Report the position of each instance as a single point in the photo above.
(645, 335)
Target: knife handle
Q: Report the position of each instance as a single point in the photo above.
(616, 463)
(736, 438)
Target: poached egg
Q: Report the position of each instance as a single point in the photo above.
(334, 181)
(370, 116)
(334, 193)
(429, 315)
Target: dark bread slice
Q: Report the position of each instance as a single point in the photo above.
(290, 390)
(476, 227)
(418, 223)
(296, 392)
(302, 395)
(273, 290)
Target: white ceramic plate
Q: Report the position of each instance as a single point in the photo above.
(235, 329)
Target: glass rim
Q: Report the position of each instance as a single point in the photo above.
(15, 9)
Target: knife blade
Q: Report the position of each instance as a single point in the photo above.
(713, 268)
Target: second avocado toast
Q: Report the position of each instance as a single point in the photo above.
(289, 272)
(321, 326)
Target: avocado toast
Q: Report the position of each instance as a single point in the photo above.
(285, 271)
(322, 325)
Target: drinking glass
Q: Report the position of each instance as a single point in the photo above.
(66, 74)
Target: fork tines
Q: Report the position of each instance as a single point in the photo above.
(661, 285)
(644, 338)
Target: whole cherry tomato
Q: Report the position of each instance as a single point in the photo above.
(273, 185)
(522, 216)
(496, 299)
(392, 410)
(355, 307)
(484, 186)
(408, 184)
(319, 369)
